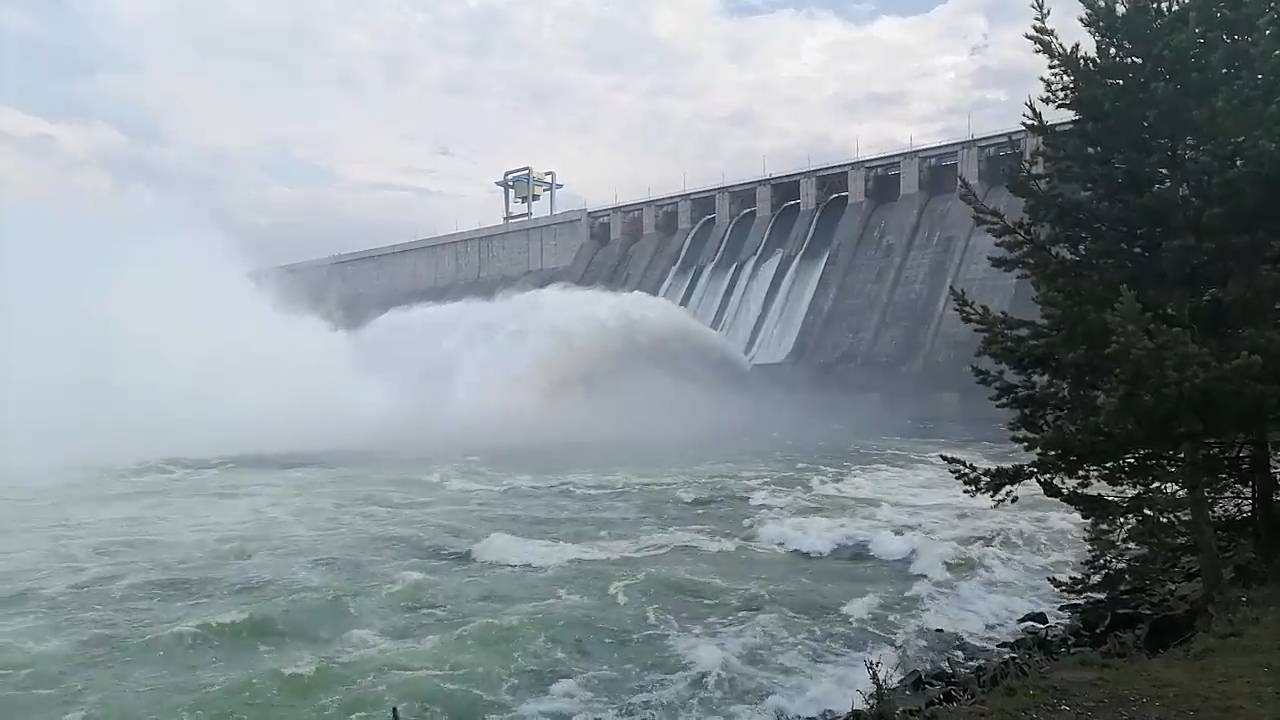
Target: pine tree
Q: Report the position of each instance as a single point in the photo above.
(1153, 250)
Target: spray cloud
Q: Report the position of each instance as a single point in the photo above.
(153, 341)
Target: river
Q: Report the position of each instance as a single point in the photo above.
(558, 503)
(336, 586)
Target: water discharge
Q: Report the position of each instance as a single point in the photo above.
(782, 325)
(552, 366)
(162, 350)
(218, 508)
(684, 274)
(748, 299)
(709, 295)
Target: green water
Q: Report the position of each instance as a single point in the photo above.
(336, 587)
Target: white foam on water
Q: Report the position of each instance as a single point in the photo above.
(463, 485)
(305, 667)
(617, 588)
(888, 546)
(860, 608)
(819, 536)
(405, 578)
(930, 559)
(827, 686)
(760, 654)
(566, 697)
(772, 498)
(506, 549)
(810, 535)
(184, 631)
(978, 568)
(231, 617)
(362, 640)
(689, 496)
(704, 656)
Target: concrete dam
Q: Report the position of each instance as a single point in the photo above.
(840, 272)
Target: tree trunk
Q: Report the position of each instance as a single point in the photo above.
(1264, 500)
(1201, 521)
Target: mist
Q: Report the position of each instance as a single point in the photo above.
(558, 365)
(136, 334)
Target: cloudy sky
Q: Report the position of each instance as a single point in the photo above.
(298, 129)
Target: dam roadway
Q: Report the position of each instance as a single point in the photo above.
(840, 271)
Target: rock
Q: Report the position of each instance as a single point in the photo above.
(1036, 642)
(1191, 592)
(1166, 630)
(970, 651)
(912, 682)
(1122, 620)
(828, 715)
(1038, 617)
(1094, 619)
(938, 676)
(1246, 575)
(1055, 634)
(1120, 644)
(949, 695)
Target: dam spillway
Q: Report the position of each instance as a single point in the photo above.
(841, 271)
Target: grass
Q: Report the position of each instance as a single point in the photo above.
(1231, 672)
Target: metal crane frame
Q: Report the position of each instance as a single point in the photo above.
(532, 180)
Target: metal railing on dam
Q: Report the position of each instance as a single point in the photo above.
(843, 269)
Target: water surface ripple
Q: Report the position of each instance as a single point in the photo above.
(334, 587)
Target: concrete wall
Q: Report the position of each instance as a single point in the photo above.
(353, 287)
(880, 314)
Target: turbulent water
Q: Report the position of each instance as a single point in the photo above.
(563, 503)
(336, 587)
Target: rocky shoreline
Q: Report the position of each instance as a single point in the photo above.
(1119, 625)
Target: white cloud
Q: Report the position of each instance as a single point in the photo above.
(306, 128)
(38, 157)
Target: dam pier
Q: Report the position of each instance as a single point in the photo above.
(840, 272)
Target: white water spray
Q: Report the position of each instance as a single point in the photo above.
(559, 364)
(156, 343)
